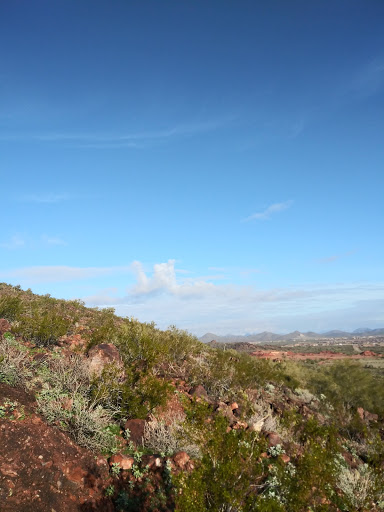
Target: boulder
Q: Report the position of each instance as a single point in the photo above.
(181, 459)
(102, 355)
(199, 392)
(226, 411)
(136, 429)
(369, 416)
(5, 326)
(273, 439)
(125, 462)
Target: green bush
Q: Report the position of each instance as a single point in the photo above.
(11, 307)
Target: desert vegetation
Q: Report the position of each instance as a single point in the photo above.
(186, 426)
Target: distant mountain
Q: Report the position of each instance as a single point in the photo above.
(266, 336)
(336, 334)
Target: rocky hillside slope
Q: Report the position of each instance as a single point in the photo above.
(101, 413)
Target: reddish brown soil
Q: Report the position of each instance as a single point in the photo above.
(300, 356)
(41, 469)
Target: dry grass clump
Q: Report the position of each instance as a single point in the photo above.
(168, 438)
(15, 365)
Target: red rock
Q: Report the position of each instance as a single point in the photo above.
(234, 406)
(199, 392)
(152, 461)
(370, 416)
(124, 461)
(240, 425)
(75, 474)
(136, 429)
(285, 458)
(67, 404)
(181, 459)
(5, 326)
(226, 411)
(101, 355)
(360, 412)
(273, 439)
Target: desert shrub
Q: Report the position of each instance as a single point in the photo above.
(169, 438)
(69, 375)
(103, 327)
(141, 393)
(349, 384)
(11, 307)
(43, 322)
(230, 467)
(136, 397)
(359, 486)
(15, 365)
(86, 421)
(65, 401)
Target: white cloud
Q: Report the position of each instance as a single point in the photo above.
(268, 212)
(201, 304)
(163, 280)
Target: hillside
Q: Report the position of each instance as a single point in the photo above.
(103, 413)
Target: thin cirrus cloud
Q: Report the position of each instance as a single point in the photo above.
(268, 212)
(57, 273)
(111, 140)
(15, 242)
(335, 257)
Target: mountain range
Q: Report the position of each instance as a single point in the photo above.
(266, 336)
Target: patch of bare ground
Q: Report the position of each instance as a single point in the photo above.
(41, 469)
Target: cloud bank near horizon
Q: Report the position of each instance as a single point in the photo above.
(205, 303)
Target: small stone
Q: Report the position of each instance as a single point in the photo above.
(124, 461)
(181, 459)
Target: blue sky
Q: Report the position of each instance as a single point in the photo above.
(214, 165)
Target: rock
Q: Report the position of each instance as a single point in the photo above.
(360, 412)
(199, 392)
(124, 461)
(370, 416)
(273, 439)
(102, 355)
(234, 406)
(237, 412)
(5, 326)
(152, 461)
(136, 429)
(226, 411)
(181, 459)
(67, 404)
(257, 426)
(240, 425)
(285, 458)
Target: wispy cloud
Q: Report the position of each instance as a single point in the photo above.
(49, 198)
(111, 140)
(15, 242)
(56, 274)
(335, 257)
(268, 212)
(369, 80)
(53, 240)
